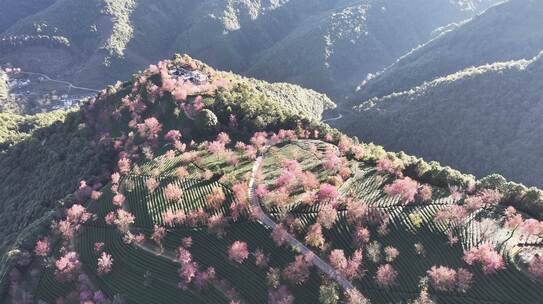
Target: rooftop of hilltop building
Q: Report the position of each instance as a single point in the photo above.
(195, 77)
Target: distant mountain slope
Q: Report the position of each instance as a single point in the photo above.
(481, 120)
(95, 42)
(509, 31)
(339, 46)
(12, 11)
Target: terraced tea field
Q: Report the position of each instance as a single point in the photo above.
(145, 274)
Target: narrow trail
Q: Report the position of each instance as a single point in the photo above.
(293, 242)
(69, 84)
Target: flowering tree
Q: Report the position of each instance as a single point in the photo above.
(203, 278)
(149, 129)
(105, 262)
(447, 279)
(216, 198)
(67, 266)
(171, 218)
(531, 227)
(442, 278)
(327, 216)
(350, 268)
(151, 183)
(238, 252)
(173, 193)
(327, 192)
(385, 164)
(188, 270)
(118, 199)
(314, 237)
(43, 247)
(405, 188)
(99, 247)
(124, 220)
(464, 280)
(331, 160)
(391, 254)
(309, 181)
(159, 233)
(298, 271)
(425, 193)
(490, 260)
(280, 235)
(355, 297)
(259, 139)
(261, 259)
(386, 276)
(124, 165)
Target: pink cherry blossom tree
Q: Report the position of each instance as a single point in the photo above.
(173, 193)
(386, 276)
(327, 216)
(105, 263)
(490, 260)
(238, 252)
(404, 188)
(43, 247)
(298, 271)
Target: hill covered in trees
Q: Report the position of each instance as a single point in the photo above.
(46, 155)
(509, 31)
(481, 120)
(186, 183)
(93, 43)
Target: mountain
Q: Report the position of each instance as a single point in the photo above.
(92, 43)
(15, 10)
(481, 120)
(360, 38)
(509, 31)
(187, 183)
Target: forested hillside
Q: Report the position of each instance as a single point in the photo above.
(509, 31)
(93, 43)
(44, 157)
(481, 120)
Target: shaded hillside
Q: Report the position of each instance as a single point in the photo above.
(481, 120)
(12, 11)
(94, 42)
(509, 31)
(338, 47)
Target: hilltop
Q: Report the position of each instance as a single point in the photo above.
(93, 43)
(503, 32)
(46, 156)
(187, 183)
